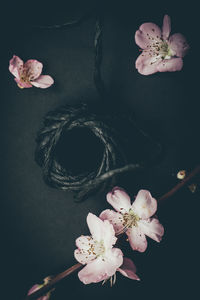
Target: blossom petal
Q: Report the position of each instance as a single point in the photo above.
(43, 82)
(178, 44)
(128, 269)
(84, 241)
(101, 230)
(144, 205)
(115, 218)
(147, 64)
(137, 239)
(83, 256)
(170, 65)
(152, 228)
(166, 29)
(16, 66)
(95, 226)
(22, 84)
(147, 34)
(100, 268)
(109, 237)
(119, 199)
(33, 69)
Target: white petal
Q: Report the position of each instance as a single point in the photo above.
(119, 200)
(43, 81)
(83, 256)
(115, 218)
(152, 228)
(144, 205)
(101, 268)
(101, 230)
(84, 242)
(137, 239)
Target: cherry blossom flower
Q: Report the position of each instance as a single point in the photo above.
(134, 219)
(160, 51)
(29, 74)
(38, 286)
(97, 253)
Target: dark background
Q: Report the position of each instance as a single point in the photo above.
(40, 224)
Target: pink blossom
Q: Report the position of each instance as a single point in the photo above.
(160, 51)
(134, 219)
(29, 74)
(37, 287)
(97, 253)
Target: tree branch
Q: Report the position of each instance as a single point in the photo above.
(183, 182)
(49, 286)
(46, 288)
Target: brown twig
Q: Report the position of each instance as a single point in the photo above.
(49, 286)
(177, 187)
(46, 288)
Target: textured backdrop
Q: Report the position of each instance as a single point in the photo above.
(40, 224)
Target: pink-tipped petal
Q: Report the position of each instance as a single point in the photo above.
(33, 69)
(16, 66)
(119, 200)
(137, 239)
(22, 84)
(101, 268)
(115, 218)
(178, 45)
(144, 205)
(43, 82)
(101, 230)
(128, 269)
(166, 29)
(152, 228)
(146, 64)
(170, 65)
(147, 34)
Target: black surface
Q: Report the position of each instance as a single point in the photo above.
(39, 224)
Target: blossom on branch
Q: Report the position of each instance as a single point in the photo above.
(102, 260)
(134, 219)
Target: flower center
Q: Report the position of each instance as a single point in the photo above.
(25, 77)
(158, 48)
(96, 248)
(130, 219)
(161, 49)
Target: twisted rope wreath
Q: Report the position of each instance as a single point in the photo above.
(107, 129)
(65, 119)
